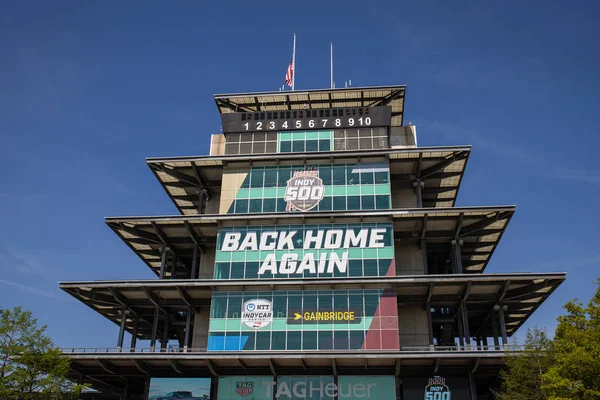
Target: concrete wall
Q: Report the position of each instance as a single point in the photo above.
(409, 259)
(207, 264)
(217, 144)
(212, 205)
(200, 332)
(403, 136)
(413, 326)
(403, 198)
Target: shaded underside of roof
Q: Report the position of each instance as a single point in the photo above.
(377, 96)
(111, 373)
(521, 293)
(479, 228)
(440, 169)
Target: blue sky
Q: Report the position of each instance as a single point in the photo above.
(89, 89)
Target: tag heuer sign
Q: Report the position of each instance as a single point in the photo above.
(257, 313)
(436, 389)
(244, 388)
(304, 190)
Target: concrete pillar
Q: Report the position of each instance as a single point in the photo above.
(503, 325)
(472, 387)
(419, 185)
(163, 262)
(495, 331)
(123, 313)
(154, 328)
(465, 321)
(188, 327)
(459, 323)
(194, 272)
(173, 266)
(165, 336)
(429, 324)
(456, 257)
(136, 322)
(424, 256)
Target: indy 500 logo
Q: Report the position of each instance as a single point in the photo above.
(437, 389)
(304, 190)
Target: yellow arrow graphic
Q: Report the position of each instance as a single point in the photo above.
(297, 316)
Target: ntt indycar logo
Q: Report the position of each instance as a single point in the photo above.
(437, 389)
(257, 314)
(315, 243)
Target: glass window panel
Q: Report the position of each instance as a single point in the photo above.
(381, 177)
(352, 144)
(298, 146)
(325, 340)
(245, 138)
(222, 271)
(366, 178)
(263, 340)
(285, 146)
(341, 341)
(234, 306)
(245, 148)
(325, 174)
(356, 339)
(355, 267)
(309, 302)
(370, 267)
(251, 270)
(339, 144)
(382, 202)
(271, 147)
(325, 300)
(280, 306)
(339, 203)
(324, 145)
(270, 177)
(294, 340)
(339, 174)
(232, 148)
(312, 145)
(353, 202)
(368, 202)
(255, 206)
(241, 206)
(281, 205)
(258, 147)
(340, 299)
(284, 174)
(310, 340)
(278, 340)
(353, 177)
(257, 177)
(269, 205)
(237, 270)
(325, 204)
(218, 307)
(365, 143)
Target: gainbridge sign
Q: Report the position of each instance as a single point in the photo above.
(332, 316)
(284, 251)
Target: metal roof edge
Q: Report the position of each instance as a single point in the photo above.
(362, 153)
(363, 213)
(296, 92)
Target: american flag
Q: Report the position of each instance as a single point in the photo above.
(289, 74)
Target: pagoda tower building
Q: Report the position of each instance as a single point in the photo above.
(317, 254)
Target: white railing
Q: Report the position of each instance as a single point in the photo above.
(403, 349)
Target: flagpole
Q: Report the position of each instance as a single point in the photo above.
(331, 65)
(294, 63)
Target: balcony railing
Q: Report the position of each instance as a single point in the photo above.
(404, 349)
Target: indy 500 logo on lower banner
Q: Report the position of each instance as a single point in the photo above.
(257, 313)
(436, 389)
(304, 190)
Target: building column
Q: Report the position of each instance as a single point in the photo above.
(501, 310)
(165, 336)
(154, 327)
(465, 321)
(188, 327)
(173, 266)
(423, 246)
(194, 271)
(163, 262)
(136, 322)
(419, 185)
(456, 257)
(429, 324)
(472, 387)
(459, 324)
(495, 331)
(123, 313)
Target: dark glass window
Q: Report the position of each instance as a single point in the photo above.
(353, 177)
(340, 340)
(339, 203)
(222, 271)
(381, 177)
(368, 202)
(298, 146)
(218, 307)
(366, 178)
(353, 202)
(234, 306)
(370, 267)
(310, 340)
(285, 147)
(241, 206)
(255, 206)
(324, 145)
(382, 202)
(355, 268)
(325, 174)
(294, 340)
(251, 270)
(312, 145)
(285, 173)
(356, 339)
(268, 205)
(325, 204)
(278, 340)
(325, 340)
(237, 270)
(270, 177)
(339, 175)
(263, 340)
(256, 177)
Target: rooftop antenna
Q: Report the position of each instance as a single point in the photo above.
(331, 82)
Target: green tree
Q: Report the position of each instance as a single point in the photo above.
(575, 372)
(31, 366)
(526, 365)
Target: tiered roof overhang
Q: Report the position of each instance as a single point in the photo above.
(521, 293)
(375, 96)
(440, 169)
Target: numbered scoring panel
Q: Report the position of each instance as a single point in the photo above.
(306, 119)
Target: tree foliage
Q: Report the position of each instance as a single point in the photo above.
(526, 367)
(575, 372)
(31, 367)
(565, 368)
